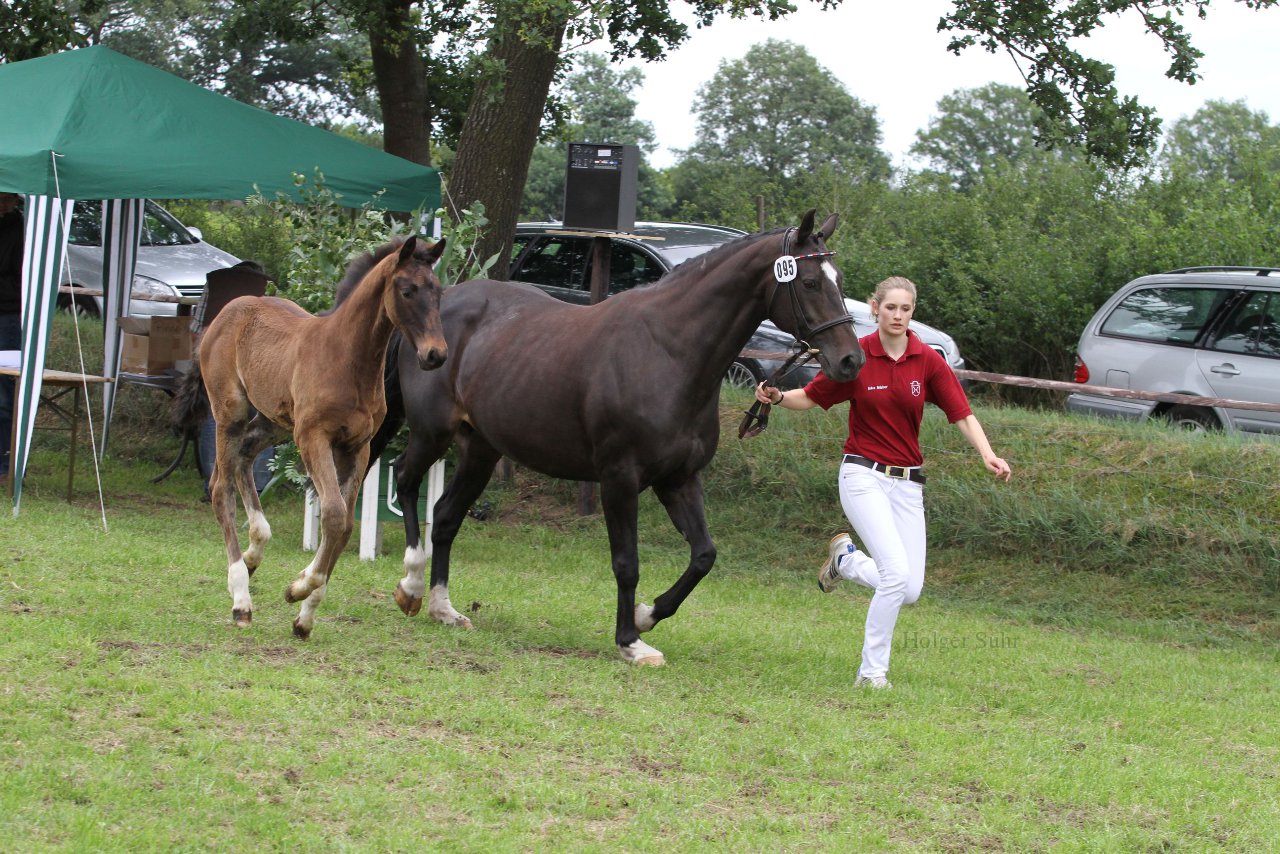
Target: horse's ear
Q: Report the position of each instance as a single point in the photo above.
(434, 253)
(406, 251)
(806, 226)
(828, 226)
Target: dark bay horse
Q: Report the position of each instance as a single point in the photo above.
(320, 377)
(625, 393)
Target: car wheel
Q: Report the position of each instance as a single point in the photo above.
(1193, 419)
(743, 374)
(85, 306)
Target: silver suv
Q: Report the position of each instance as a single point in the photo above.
(558, 260)
(1203, 331)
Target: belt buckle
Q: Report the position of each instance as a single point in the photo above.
(899, 472)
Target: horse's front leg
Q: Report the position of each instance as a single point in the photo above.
(685, 507)
(476, 461)
(334, 475)
(620, 505)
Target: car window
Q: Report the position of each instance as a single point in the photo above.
(558, 262)
(1165, 314)
(159, 228)
(1253, 328)
(629, 268)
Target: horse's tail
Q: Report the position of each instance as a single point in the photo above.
(394, 419)
(190, 406)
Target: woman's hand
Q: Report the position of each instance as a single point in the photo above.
(768, 394)
(998, 467)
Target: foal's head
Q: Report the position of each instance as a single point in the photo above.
(411, 298)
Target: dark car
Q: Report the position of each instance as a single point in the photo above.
(558, 260)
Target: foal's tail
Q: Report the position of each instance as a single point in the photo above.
(394, 419)
(190, 406)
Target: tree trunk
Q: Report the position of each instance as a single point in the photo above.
(398, 75)
(501, 129)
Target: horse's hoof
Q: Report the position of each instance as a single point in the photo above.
(410, 605)
(300, 631)
(242, 618)
(291, 597)
(644, 618)
(641, 654)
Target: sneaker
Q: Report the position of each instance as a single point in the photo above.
(877, 682)
(828, 576)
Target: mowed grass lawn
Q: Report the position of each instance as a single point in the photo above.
(135, 717)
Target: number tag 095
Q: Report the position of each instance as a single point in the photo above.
(784, 269)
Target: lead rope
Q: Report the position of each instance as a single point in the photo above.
(756, 419)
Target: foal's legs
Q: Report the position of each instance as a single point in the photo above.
(684, 506)
(620, 503)
(255, 439)
(335, 474)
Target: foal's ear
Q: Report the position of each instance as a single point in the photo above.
(828, 226)
(406, 250)
(806, 226)
(434, 253)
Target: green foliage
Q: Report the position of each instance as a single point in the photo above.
(326, 237)
(778, 111)
(460, 261)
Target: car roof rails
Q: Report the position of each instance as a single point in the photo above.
(1257, 271)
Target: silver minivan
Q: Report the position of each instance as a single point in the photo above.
(1203, 331)
(172, 261)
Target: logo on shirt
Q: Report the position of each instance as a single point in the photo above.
(915, 388)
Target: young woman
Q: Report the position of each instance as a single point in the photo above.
(881, 481)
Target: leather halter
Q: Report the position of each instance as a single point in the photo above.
(756, 419)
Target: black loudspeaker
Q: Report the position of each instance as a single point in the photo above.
(600, 186)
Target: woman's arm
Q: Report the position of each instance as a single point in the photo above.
(973, 431)
(794, 399)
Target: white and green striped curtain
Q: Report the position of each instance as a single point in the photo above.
(121, 231)
(47, 222)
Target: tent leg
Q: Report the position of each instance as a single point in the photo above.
(75, 436)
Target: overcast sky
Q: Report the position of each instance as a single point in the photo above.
(891, 56)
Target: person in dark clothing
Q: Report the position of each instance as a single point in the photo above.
(12, 238)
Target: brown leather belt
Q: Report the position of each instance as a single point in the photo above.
(911, 473)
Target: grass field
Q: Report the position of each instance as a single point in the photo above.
(1043, 699)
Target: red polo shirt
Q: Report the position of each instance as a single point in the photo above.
(887, 398)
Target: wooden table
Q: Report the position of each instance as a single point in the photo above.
(57, 385)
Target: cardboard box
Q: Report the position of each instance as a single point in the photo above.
(150, 345)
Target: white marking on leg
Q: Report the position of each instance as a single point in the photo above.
(644, 617)
(439, 608)
(238, 587)
(306, 583)
(641, 654)
(307, 613)
(259, 536)
(414, 582)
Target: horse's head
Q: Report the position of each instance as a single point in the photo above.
(807, 299)
(412, 300)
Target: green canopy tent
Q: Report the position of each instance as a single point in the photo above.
(94, 124)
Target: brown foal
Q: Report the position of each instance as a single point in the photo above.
(319, 377)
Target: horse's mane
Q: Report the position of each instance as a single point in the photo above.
(713, 256)
(360, 267)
